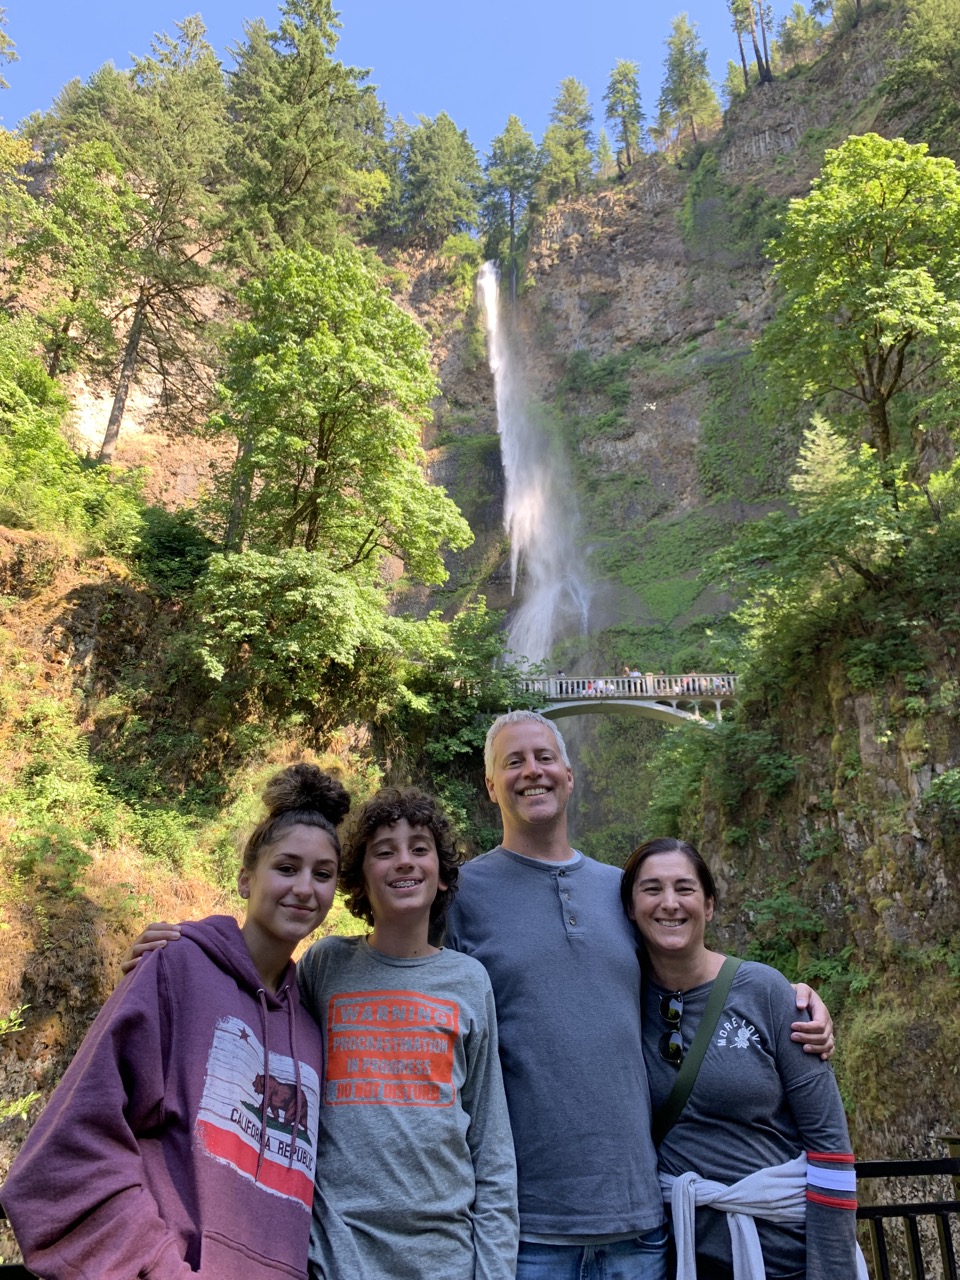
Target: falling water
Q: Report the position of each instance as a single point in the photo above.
(540, 512)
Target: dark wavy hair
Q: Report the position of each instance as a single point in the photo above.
(387, 808)
(299, 796)
(665, 844)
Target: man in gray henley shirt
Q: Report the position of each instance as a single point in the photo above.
(547, 924)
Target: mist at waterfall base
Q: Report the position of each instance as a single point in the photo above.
(540, 511)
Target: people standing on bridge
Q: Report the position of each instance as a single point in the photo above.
(183, 1135)
(753, 1147)
(545, 921)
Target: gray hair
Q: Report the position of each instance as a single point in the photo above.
(519, 717)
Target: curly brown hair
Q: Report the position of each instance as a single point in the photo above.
(300, 795)
(387, 808)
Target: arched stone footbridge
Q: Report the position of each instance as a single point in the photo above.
(670, 699)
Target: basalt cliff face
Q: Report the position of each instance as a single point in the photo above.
(635, 310)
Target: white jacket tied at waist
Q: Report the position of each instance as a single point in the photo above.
(777, 1194)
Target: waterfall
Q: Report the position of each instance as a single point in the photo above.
(540, 512)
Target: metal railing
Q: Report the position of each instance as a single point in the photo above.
(689, 686)
(925, 1240)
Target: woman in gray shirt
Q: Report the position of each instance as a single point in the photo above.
(759, 1159)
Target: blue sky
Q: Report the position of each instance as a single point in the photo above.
(479, 62)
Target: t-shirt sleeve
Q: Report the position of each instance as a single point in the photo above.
(495, 1219)
(76, 1195)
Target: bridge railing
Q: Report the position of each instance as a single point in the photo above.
(687, 686)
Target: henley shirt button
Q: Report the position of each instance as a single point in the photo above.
(566, 894)
(573, 919)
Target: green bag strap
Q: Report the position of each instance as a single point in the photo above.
(666, 1116)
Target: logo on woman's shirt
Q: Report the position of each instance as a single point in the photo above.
(734, 1033)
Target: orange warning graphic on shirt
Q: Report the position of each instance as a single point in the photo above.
(391, 1047)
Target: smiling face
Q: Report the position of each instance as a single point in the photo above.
(669, 906)
(401, 873)
(290, 891)
(530, 781)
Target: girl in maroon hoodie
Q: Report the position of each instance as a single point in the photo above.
(182, 1138)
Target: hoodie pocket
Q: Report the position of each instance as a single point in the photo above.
(225, 1259)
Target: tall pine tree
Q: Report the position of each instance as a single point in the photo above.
(306, 140)
(624, 112)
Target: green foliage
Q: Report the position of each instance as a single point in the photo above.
(272, 629)
(847, 553)
(165, 121)
(173, 550)
(60, 806)
(871, 293)
(665, 569)
(944, 792)
(463, 254)
(303, 147)
(456, 690)
(565, 159)
(76, 250)
(687, 107)
(512, 170)
(719, 767)
(745, 452)
(780, 925)
(724, 222)
(799, 34)
(327, 387)
(624, 112)
(678, 764)
(8, 52)
(441, 178)
(925, 76)
(44, 485)
(615, 781)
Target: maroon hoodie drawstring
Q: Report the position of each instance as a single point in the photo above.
(296, 1077)
(266, 1082)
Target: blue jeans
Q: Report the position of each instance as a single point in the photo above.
(642, 1258)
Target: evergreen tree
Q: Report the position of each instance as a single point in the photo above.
(512, 169)
(733, 84)
(747, 17)
(687, 97)
(624, 112)
(799, 32)
(388, 216)
(305, 137)
(566, 160)
(441, 181)
(926, 75)
(165, 121)
(606, 161)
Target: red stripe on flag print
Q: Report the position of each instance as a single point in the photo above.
(231, 1147)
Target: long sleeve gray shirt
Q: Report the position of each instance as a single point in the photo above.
(416, 1178)
(759, 1101)
(562, 959)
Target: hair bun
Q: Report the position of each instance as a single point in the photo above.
(305, 787)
